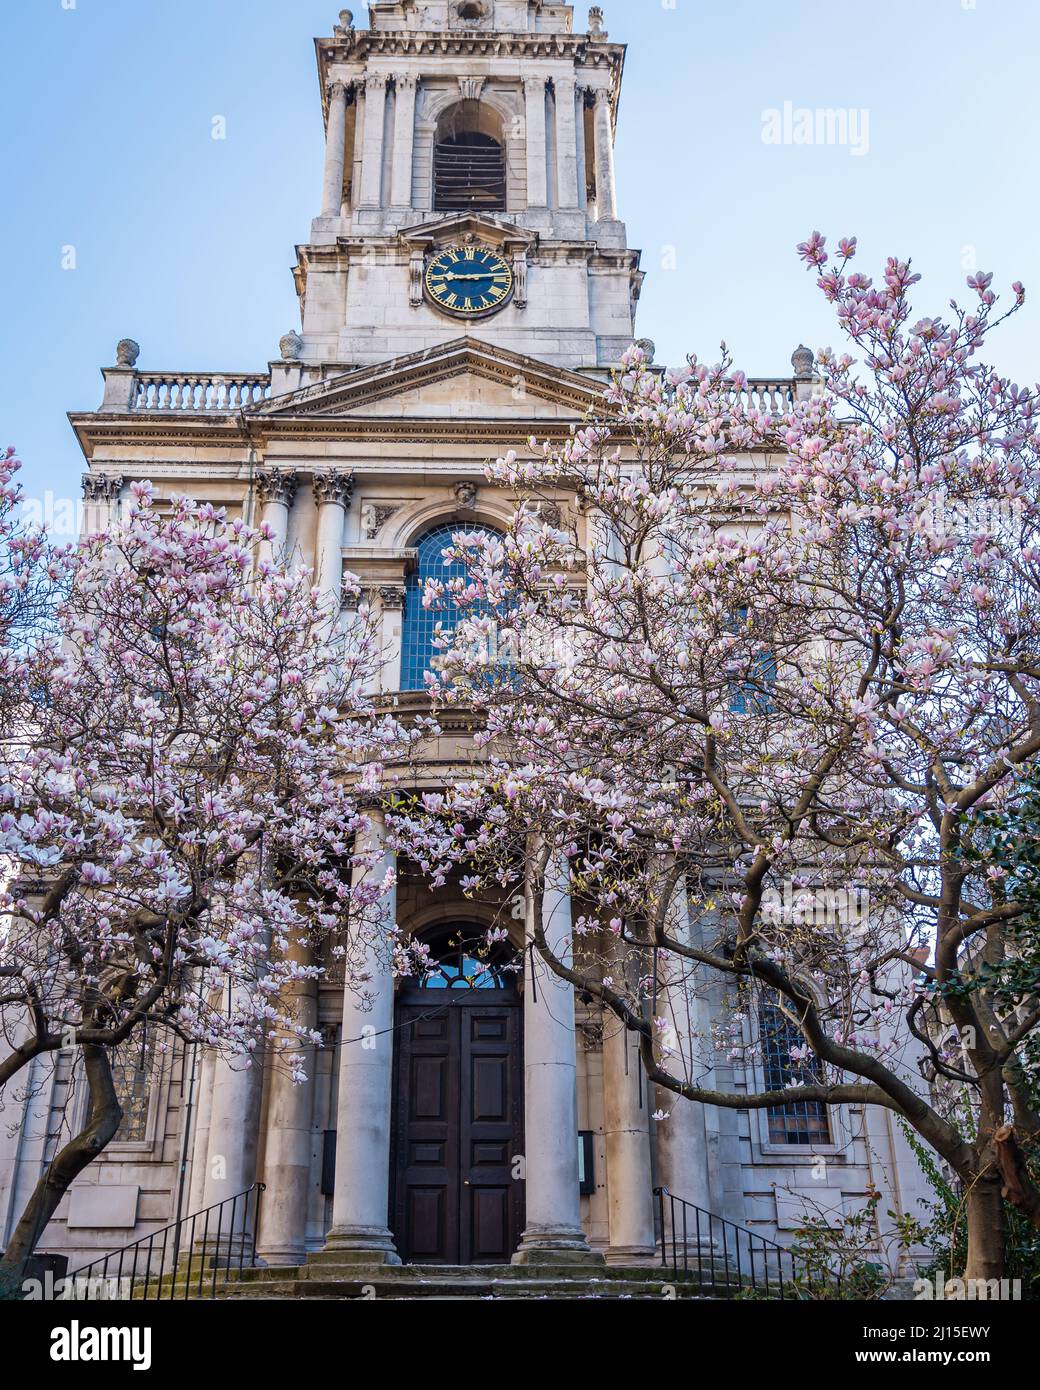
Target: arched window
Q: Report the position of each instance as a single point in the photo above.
(417, 650)
(461, 959)
(469, 160)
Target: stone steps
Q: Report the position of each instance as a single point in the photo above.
(326, 1278)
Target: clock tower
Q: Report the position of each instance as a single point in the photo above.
(468, 187)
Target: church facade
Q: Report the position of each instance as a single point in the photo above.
(468, 283)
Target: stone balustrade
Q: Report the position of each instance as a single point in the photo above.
(171, 391)
(774, 396)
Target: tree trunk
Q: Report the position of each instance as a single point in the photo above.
(985, 1230)
(102, 1123)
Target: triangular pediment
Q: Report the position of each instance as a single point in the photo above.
(464, 227)
(463, 379)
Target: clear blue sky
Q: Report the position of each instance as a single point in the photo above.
(185, 243)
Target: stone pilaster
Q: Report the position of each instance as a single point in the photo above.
(404, 140)
(567, 144)
(372, 159)
(626, 1091)
(537, 179)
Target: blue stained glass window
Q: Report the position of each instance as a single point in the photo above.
(417, 650)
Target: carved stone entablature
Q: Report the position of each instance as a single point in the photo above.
(332, 486)
(275, 485)
(101, 487)
(374, 516)
(465, 495)
(127, 352)
(392, 595)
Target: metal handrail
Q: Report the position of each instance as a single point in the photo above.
(207, 1258)
(725, 1255)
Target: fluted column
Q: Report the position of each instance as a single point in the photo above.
(332, 492)
(335, 151)
(553, 1233)
(630, 1200)
(289, 1138)
(275, 492)
(606, 183)
(567, 143)
(372, 163)
(404, 140)
(682, 1146)
(360, 1233)
(537, 180)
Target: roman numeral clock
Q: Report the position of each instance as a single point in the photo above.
(468, 281)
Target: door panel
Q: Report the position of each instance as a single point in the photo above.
(458, 1126)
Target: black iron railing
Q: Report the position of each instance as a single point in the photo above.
(727, 1257)
(191, 1258)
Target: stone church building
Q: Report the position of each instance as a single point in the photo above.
(468, 283)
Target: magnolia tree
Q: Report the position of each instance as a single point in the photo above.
(753, 683)
(181, 813)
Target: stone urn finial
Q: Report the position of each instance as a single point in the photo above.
(127, 353)
(596, 29)
(290, 346)
(346, 19)
(803, 362)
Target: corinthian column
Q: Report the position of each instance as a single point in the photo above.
(404, 140)
(290, 1113)
(553, 1234)
(332, 492)
(537, 180)
(606, 183)
(360, 1234)
(335, 151)
(372, 164)
(275, 491)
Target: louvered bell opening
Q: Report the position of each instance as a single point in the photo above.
(469, 172)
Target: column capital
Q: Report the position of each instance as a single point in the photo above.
(392, 595)
(337, 90)
(376, 81)
(406, 81)
(532, 85)
(101, 487)
(600, 95)
(332, 488)
(275, 485)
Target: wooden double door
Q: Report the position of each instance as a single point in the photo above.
(456, 1194)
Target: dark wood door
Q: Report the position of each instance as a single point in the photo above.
(458, 1128)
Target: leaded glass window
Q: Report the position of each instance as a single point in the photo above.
(132, 1077)
(805, 1122)
(417, 650)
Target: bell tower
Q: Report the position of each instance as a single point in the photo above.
(468, 187)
